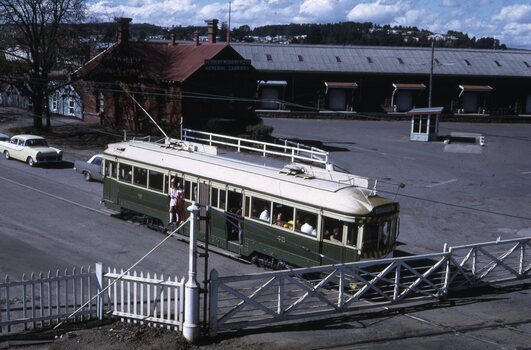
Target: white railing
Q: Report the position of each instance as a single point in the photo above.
(298, 152)
(145, 298)
(491, 262)
(46, 299)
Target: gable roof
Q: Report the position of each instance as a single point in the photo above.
(388, 60)
(153, 61)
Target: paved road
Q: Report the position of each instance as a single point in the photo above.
(50, 218)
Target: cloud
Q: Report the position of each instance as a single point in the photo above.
(514, 14)
(450, 3)
(382, 12)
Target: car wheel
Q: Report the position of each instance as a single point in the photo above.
(31, 162)
(6, 153)
(88, 177)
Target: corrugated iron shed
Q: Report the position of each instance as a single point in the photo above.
(388, 60)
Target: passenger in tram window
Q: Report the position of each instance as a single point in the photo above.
(308, 228)
(279, 220)
(264, 215)
(336, 237)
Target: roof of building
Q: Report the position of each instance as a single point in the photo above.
(156, 61)
(382, 59)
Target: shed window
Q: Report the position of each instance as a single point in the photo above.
(468, 63)
(54, 103)
(400, 60)
(301, 58)
(369, 59)
(436, 61)
(338, 59)
(497, 63)
(71, 106)
(269, 57)
(527, 64)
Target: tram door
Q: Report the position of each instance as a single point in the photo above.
(234, 214)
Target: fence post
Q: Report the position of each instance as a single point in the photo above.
(191, 296)
(99, 288)
(446, 285)
(213, 297)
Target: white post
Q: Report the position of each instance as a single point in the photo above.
(99, 288)
(191, 288)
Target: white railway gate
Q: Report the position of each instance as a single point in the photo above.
(265, 298)
(236, 302)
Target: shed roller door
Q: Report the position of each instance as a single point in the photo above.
(269, 93)
(528, 105)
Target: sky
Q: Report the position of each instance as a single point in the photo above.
(506, 20)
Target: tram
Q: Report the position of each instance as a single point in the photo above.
(298, 215)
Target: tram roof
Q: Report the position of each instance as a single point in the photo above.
(316, 192)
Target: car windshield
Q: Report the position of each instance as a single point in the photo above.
(37, 143)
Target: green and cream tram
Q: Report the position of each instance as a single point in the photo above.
(301, 215)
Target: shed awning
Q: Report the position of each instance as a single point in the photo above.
(340, 85)
(409, 86)
(476, 88)
(272, 83)
(427, 110)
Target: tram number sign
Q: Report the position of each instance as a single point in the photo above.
(281, 239)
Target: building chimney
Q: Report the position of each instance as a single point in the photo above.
(212, 30)
(173, 36)
(196, 38)
(123, 28)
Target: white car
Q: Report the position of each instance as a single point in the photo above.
(31, 149)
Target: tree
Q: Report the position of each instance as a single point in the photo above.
(40, 31)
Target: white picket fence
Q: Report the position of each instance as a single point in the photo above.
(145, 298)
(46, 299)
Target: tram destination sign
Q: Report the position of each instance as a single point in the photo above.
(227, 65)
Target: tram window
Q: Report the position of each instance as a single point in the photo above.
(386, 231)
(283, 215)
(140, 176)
(333, 229)
(234, 201)
(178, 180)
(195, 195)
(247, 205)
(110, 168)
(222, 199)
(214, 198)
(187, 189)
(305, 222)
(125, 172)
(261, 209)
(156, 181)
(352, 235)
(370, 236)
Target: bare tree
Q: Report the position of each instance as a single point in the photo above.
(38, 30)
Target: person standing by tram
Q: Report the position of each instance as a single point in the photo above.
(176, 202)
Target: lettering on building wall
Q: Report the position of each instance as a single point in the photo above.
(227, 65)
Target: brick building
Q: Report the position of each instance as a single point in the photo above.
(207, 84)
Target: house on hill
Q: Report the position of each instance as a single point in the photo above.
(208, 85)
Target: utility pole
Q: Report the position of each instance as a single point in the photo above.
(431, 70)
(228, 28)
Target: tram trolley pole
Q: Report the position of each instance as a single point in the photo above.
(191, 288)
